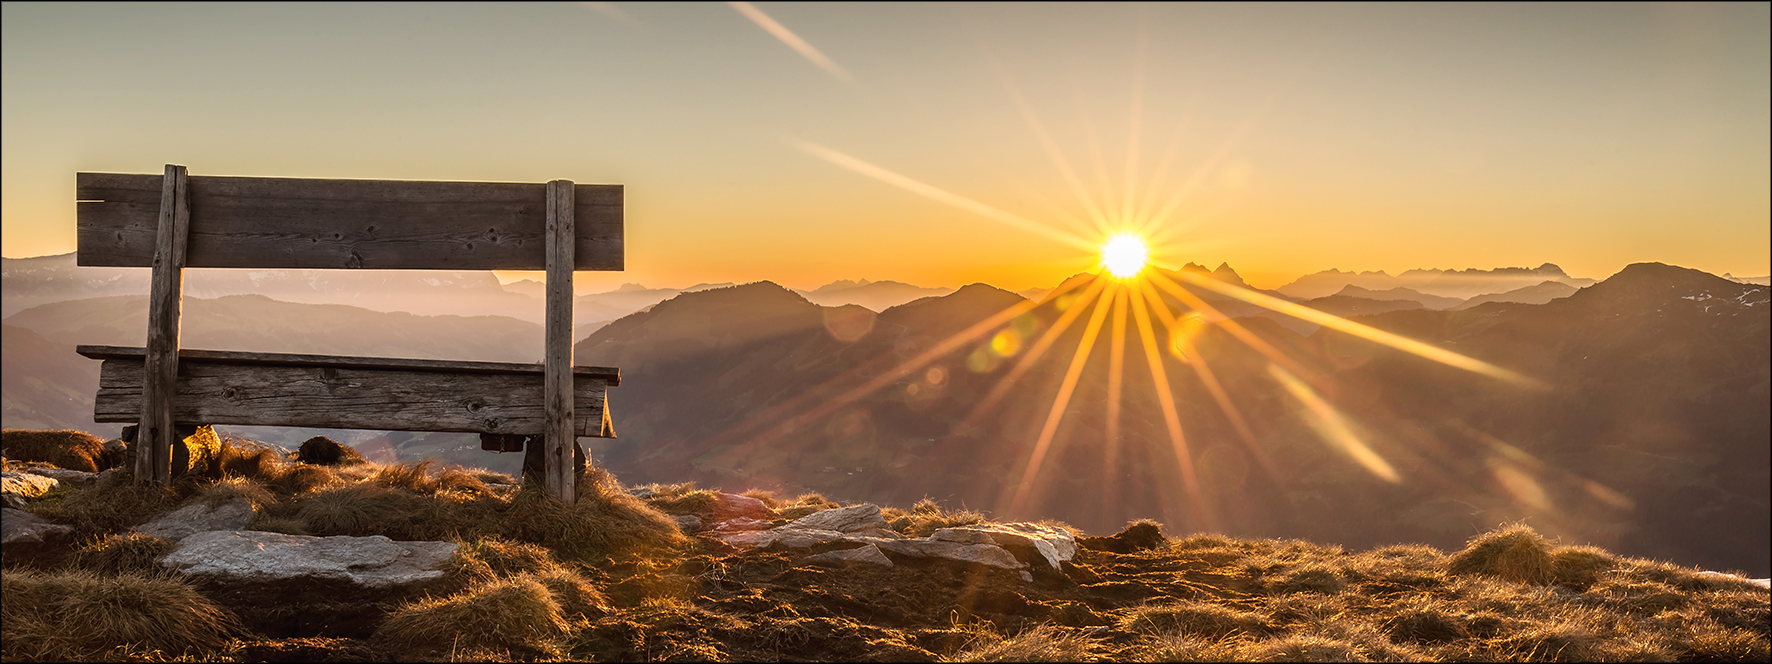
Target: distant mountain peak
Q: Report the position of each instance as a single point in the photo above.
(629, 288)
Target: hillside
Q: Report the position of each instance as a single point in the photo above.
(263, 556)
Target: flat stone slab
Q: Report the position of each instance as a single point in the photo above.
(1052, 545)
(68, 475)
(20, 487)
(795, 538)
(199, 517)
(250, 555)
(842, 519)
(869, 555)
(17, 526)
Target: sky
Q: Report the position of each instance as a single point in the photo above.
(945, 144)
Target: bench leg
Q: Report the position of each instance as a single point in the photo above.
(532, 459)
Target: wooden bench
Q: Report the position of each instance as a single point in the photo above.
(172, 221)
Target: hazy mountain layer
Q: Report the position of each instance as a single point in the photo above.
(1652, 428)
(1461, 284)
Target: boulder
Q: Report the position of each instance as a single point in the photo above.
(20, 487)
(793, 538)
(842, 519)
(733, 506)
(688, 523)
(982, 554)
(323, 451)
(741, 523)
(1031, 542)
(200, 517)
(17, 526)
(868, 555)
(64, 475)
(255, 556)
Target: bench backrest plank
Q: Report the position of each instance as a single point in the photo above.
(300, 223)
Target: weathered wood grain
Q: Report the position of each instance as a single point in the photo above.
(160, 373)
(557, 374)
(349, 397)
(294, 223)
(609, 375)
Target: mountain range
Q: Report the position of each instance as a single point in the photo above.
(1647, 432)
(1648, 416)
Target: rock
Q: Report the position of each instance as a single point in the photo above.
(732, 506)
(20, 488)
(200, 517)
(1031, 542)
(642, 492)
(879, 532)
(72, 477)
(868, 554)
(688, 523)
(795, 538)
(18, 526)
(983, 554)
(741, 523)
(250, 555)
(323, 451)
(842, 519)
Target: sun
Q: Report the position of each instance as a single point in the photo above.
(1124, 256)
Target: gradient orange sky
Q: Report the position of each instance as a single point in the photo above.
(942, 144)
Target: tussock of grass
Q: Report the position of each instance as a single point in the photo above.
(681, 498)
(1580, 567)
(113, 503)
(1182, 648)
(1210, 620)
(606, 522)
(767, 497)
(925, 517)
(63, 448)
(509, 613)
(1042, 643)
(1517, 553)
(804, 504)
(1426, 622)
(79, 615)
(122, 553)
(1302, 648)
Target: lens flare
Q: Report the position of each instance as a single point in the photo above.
(1124, 256)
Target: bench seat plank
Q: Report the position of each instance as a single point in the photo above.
(276, 389)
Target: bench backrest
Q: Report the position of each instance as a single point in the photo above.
(294, 223)
(172, 221)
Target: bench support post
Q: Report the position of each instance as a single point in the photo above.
(558, 437)
(157, 434)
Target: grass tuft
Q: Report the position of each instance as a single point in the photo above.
(1042, 643)
(79, 615)
(925, 517)
(509, 613)
(64, 448)
(122, 553)
(1516, 553)
(1210, 620)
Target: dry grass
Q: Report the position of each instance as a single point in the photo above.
(926, 517)
(515, 613)
(79, 615)
(64, 448)
(1212, 621)
(122, 554)
(1516, 553)
(1042, 643)
(681, 498)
